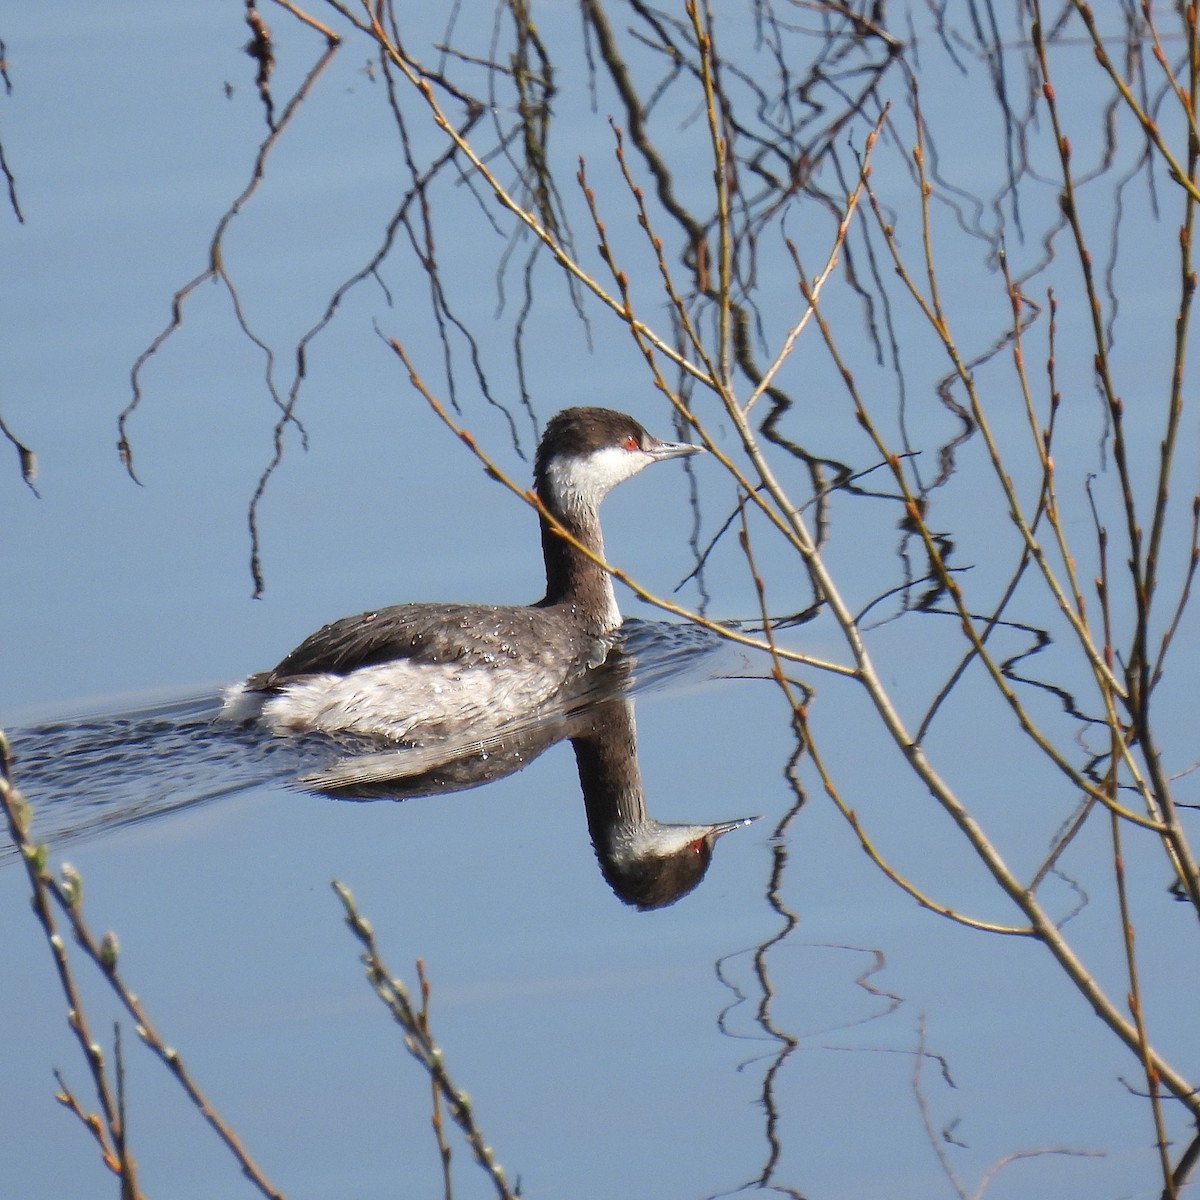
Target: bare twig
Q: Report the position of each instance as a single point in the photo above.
(418, 1041)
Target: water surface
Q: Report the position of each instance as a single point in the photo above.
(794, 1023)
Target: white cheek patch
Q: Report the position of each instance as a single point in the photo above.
(581, 483)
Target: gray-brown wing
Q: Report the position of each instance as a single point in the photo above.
(431, 633)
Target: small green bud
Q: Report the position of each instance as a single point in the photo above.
(36, 857)
(72, 885)
(22, 811)
(109, 949)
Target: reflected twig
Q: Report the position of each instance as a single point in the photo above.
(26, 457)
(216, 271)
(10, 179)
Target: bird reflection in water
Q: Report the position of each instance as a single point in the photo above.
(647, 863)
(89, 776)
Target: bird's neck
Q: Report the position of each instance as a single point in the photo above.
(573, 579)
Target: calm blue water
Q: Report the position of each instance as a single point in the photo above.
(676, 1054)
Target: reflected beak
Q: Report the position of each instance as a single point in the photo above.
(721, 827)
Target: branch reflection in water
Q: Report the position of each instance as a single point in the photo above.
(90, 775)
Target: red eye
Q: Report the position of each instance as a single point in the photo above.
(631, 442)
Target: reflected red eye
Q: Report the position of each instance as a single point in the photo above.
(631, 442)
(696, 847)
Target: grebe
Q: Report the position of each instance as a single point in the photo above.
(417, 671)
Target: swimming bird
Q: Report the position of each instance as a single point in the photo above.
(420, 671)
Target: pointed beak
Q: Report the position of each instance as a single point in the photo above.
(660, 450)
(721, 827)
